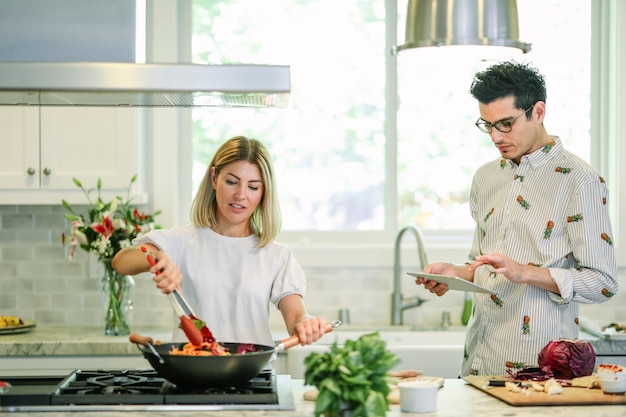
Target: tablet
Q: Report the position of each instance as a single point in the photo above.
(453, 283)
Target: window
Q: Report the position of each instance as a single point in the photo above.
(439, 148)
(345, 175)
(329, 146)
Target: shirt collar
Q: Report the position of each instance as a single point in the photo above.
(544, 153)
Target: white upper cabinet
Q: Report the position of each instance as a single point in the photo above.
(19, 148)
(42, 149)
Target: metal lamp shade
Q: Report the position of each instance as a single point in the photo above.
(484, 23)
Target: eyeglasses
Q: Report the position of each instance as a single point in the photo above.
(504, 126)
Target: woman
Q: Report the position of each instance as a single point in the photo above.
(232, 266)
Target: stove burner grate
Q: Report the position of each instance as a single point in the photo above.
(133, 387)
(110, 387)
(259, 390)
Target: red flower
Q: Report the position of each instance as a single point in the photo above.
(111, 226)
(105, 227)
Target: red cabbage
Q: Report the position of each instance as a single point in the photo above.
(245, 348)
(568, 359)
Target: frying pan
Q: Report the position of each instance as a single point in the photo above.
(212, 371)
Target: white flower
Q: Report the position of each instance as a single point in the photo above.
(80, 236)
(119, 224)
(125, 243)
(113, 206)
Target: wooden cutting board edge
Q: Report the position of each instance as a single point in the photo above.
(570, 395)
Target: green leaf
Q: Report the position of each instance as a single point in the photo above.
(67, 205)
(199, 323)
(326, 402)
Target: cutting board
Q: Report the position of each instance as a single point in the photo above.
(569, 396)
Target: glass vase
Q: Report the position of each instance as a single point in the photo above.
(116, 300)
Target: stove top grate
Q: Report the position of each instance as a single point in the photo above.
(133, 387)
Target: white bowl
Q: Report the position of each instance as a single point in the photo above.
(612, 379)
(418, 396)
(612, 376)
(613, 387)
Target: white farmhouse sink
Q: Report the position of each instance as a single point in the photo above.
(436, 352)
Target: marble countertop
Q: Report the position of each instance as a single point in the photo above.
(65, 340)
(455, 399)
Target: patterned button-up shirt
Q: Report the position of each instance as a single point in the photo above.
(551, 212)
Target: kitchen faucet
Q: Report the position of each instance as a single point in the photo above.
(398, 303)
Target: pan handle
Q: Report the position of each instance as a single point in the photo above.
(145, 341)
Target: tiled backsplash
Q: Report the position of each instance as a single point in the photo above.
(37, 281)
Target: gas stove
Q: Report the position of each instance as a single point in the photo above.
(141, 390)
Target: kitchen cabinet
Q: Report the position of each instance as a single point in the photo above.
(43, 148)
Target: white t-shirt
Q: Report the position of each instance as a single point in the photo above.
(228, 282)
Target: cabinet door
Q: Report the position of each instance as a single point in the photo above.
(19, 148)
(88, 143)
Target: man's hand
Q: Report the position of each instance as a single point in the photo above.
(516, 272)
(501, 265)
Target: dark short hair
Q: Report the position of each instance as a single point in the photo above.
(509, 79)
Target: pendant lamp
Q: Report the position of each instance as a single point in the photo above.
(488, 28)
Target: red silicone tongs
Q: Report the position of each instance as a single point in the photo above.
(204, 330)
(191, 331)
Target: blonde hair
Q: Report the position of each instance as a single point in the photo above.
(266, 220)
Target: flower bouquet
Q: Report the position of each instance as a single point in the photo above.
(111, 227)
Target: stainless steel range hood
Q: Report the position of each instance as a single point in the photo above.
(143, 85)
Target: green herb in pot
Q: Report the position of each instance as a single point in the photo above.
(352, 377)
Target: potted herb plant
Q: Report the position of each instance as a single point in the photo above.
(353, 379)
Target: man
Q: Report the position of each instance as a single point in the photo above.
(543, 238)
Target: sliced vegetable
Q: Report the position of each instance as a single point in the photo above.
(552, 387)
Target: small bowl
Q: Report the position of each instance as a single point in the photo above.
(418, 396)
(612, 379)
(613, 387)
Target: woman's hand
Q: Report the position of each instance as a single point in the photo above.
(133, 260)
(310, 329)
(169, 276)
(298, 322)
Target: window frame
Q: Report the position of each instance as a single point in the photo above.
(170, 187)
